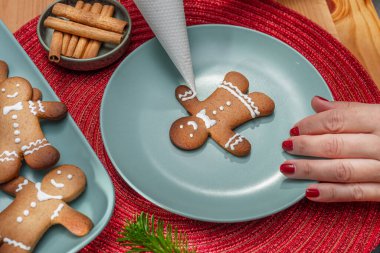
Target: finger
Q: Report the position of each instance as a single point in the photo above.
(328, 192)
(338, 170)
(320, 104)
(335, 146)
(350, 120)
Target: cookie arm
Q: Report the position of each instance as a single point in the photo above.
(37, 94)
(74, 221)
(48, 110)
(3, 71)
(232, 142)
(184, 95)
(15, 185)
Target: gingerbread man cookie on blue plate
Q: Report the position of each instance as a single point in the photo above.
(227, 108)
(21, 136)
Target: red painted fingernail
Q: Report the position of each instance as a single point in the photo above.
(312, 193)
(287, 145)
(295, 131)
(321, 98)
(287, 168)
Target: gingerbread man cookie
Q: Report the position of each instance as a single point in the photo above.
(227, 108)
(20, 131)
(38, 206)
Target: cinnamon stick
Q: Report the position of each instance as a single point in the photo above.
(55, 46)
(83, 30)
(93, 47)
(82, 43)
(66, 36)
(90, 19)
(74, 39)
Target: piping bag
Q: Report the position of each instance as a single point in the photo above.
(167, 21)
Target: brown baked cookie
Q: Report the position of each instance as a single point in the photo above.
(38, 206)
(20, 131)
(227, 108)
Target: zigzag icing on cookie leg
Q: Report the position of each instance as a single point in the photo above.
(16, 244)
(32, 108)
(7, 156)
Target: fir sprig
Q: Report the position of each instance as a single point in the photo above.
(141, 235)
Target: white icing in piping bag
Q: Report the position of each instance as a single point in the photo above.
(167, 20)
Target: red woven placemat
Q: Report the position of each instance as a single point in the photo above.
(304, 227)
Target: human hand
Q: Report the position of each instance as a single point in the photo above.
(349, 133)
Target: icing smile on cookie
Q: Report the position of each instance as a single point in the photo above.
(57, 185)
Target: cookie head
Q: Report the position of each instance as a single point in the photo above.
(188, 133)
(67, 181)
(15, 89)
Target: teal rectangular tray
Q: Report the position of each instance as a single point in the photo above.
(97, 202)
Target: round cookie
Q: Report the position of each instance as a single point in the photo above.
(227, 108)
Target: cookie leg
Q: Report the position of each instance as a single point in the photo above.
(238, 80)
(232, 142)
(263, 102)
(40, 154)
(9, 167)
(37, 94)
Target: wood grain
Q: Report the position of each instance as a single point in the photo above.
(16, 13)
(316, 10)
(358, 28)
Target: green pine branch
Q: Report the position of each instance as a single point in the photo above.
(141, 235)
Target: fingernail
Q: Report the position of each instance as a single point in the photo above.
(321, 98)
(295, 131)
(312, 193)
(287, 145)
(287, 168)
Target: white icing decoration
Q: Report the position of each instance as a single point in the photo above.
(208, 122)
(69, 177)
(56, 211)
(228, 103)
(193, 123)
(245, 99)
(42, 196)
(13, 95)
(181, 126)
(32, 108)
(16, 244)
(19, 219)
(59, 172)
(2, 90)
(26, 212)
(15, 125)
(8, 155)
(16, 132)
(191, 135)
(57, 185)
(214, 112)
(185, 96)
(17, 85)
(237, 141)
(33, 204)
(17, 140)
(37, 144)
(221, 108)
(14, 116)
(15, 107)
(19, 186)
(40, 106)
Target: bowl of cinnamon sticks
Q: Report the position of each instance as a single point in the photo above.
(85, 34)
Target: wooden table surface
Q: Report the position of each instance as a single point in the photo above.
(354, 23)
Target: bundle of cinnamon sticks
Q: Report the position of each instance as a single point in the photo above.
(83, 29)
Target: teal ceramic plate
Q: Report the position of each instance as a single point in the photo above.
(97, 201)
(208, 184)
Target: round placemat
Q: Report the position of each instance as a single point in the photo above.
(304, 227)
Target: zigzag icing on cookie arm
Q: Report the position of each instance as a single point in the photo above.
(244, 98)
(37, 144)
(185, 96)
(32, 108)
(40, 106)
(57, 211)
(237, 141)
(16, 244)
(19, 186)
